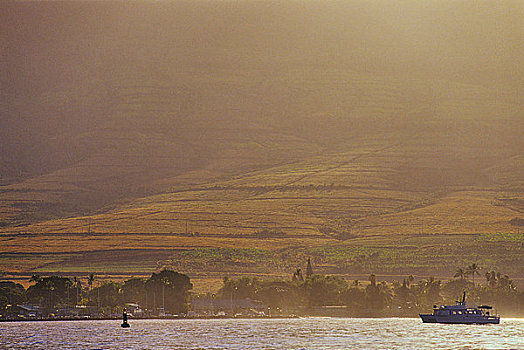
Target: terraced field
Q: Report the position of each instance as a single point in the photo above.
(241, 140)
(270, 221)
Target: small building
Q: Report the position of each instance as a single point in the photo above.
(27, 311)
(134, 309)
(76, 311)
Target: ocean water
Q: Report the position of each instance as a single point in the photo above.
(299, 333)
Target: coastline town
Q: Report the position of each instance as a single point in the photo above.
(168, 294)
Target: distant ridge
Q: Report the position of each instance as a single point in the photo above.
(369, 135)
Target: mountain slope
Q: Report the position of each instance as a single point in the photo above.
(294, 128)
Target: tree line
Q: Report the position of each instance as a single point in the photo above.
(301, 294)
(373, 298)
(166, 289)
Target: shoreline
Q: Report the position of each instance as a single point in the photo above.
(35, 319)
(218, 318)
(190, 318)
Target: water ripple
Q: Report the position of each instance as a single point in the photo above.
(306, 333)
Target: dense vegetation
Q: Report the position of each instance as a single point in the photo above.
(373, 298)
(304, 294)
(167, 289)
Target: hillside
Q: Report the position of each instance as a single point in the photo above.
(225, 138)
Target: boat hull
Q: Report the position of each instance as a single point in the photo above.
(428, 318)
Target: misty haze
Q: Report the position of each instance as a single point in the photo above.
(240, 138)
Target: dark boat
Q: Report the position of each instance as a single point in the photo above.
(460, 313)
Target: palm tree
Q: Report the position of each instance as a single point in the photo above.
(460, 274)
(50, 286)
(309, 268)
(473, 270)
(90, 280)
(78, 286)
(491, 279)
(165, 281)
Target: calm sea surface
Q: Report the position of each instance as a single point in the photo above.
(305, 333)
